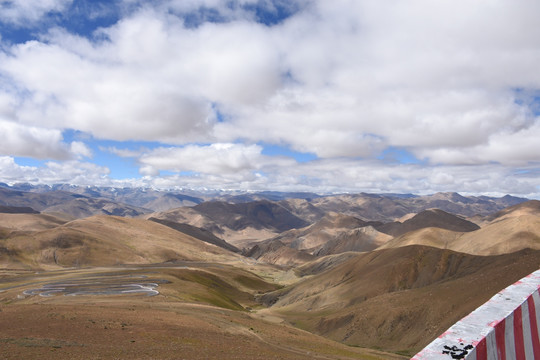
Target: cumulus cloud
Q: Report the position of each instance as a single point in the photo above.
(67, 172)
(344, 80)
(80, 149)
(31, 141)
(218, 158)
(21, 13)
(123, 152)
(345, 175)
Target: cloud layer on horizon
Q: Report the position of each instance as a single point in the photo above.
(453, 84)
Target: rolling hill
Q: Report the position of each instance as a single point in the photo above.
(429, 218)
(105, 241)
(511, 230)
(397, 299)
(239, 224)
(332, 234)
(71, 204)
(387, 272)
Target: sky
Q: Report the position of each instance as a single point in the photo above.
(415, 96)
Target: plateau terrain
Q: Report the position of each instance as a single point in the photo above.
(104, 273)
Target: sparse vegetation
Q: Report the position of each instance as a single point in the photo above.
(385, 303)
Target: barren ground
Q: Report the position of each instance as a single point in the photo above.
(182, 322)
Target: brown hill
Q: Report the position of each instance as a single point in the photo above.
(197, 233)
(201, 312)
(362, 239)
(39, 202)
(84, 207)
(242, 225)
(74, 205)
(365, 206)
(429, 218)
(397, 299)
(303, 208)
(531, 207)
(17, 210)
(511, 230)
(312, 237)
(390, 207)
(332, 234)
(257, 214)
(168, 201)
(276, 252)
(107, 240)
(29, 221)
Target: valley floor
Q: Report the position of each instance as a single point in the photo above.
(137, 326)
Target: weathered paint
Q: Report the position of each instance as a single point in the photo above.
(504, 328)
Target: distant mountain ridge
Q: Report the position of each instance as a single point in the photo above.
(17, 210)
(381, 207)
(59, 201)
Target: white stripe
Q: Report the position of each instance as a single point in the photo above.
(527, 338)
(472, 355)
(536, 298)
(491, 345)
(509, 338)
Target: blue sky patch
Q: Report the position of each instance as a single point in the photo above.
(282, 150)
(398, 155)
(25, 161)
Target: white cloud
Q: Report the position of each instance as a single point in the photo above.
(219, 158)
(67, 172)
(344, 175)
(123, 152)
(80, 149)
(342, 79)
(21, 12)
(31, 141)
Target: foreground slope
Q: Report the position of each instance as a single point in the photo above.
(397, 299)
(200, 312)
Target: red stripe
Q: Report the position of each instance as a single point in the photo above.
(481, 350)
(534, 328)
(518, 334)
(499, 337)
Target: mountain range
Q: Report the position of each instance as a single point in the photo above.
(361, 275)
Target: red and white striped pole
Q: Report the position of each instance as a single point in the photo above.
(504, 328)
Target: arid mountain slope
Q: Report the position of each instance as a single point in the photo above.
(513, 229)
(388, 208)
(239, 224)
(197, 233)
(104, 241)
(258, 215)
(366, 238)
(201, 312)
(429, 218)
(29, 222)
(332, 234)
(397, 299)
(74, 205)
(307, 206)
(531, 207)
(84, 207)
(17, 210)
(170, 201)
(312, 237)
(277, 253)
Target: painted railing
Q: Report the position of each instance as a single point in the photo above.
(504, 328)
